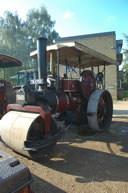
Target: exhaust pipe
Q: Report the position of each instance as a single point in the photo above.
(42, 63)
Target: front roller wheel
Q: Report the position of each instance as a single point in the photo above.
(24, 132)
(100, 110)
(37, 133)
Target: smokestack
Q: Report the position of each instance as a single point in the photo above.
(42, 63)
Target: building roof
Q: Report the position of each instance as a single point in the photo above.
(71, 38)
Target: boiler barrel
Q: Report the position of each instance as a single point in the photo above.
(66, 103)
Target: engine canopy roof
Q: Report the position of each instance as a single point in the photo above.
(8, 61)
(74, 53)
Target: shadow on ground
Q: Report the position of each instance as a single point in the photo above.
(89, 164)
(41, 186)
(120, 112)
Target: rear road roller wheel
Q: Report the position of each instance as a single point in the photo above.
(100, 110)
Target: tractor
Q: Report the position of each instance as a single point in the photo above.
(32, 126)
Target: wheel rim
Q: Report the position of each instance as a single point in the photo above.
(100, 107)
(104, 111)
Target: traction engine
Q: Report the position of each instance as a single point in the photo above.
(32, 125)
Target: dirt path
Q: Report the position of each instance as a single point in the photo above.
(91, 163)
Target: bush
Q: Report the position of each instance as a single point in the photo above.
(125, 94)
(125, 85)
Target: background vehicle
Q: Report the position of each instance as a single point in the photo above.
(7, 94)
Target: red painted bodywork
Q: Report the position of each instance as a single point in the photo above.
(70, 85)
(67, 103)
(88, 83)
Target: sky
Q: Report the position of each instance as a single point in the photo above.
(78, 17)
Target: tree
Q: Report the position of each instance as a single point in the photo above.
(39, 24)
(12, 37)
(125, 65)
(18, 38)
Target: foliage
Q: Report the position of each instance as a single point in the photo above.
(39, 24)
(18, 38)
(125, 85)
(125, 94)
(125, 65)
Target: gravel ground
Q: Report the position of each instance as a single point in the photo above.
(87, 163)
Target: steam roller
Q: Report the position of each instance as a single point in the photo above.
(43, 111)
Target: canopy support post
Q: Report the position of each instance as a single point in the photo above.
(51, 63)
(98, 69)
(58, 70)
(66, 63)
(104, 75)
(92, 69)
(79, 66)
